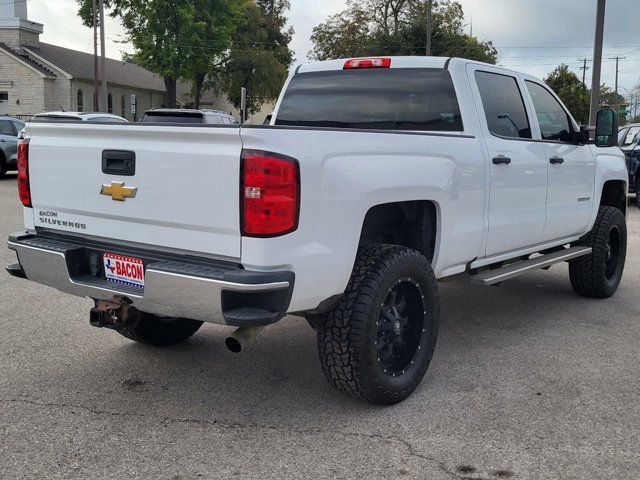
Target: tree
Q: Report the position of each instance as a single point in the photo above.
(218, 44)
(175, 39)
(571, 91)
(260, 55)
(397, 27)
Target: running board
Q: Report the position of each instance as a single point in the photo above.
(491, 277)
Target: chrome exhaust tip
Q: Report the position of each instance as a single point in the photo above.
(242, 338)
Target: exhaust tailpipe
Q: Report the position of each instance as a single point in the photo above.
(242, 338)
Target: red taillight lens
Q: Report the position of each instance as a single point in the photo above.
(24, 190)
(379, 62)
(270, 194)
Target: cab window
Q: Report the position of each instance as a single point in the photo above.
(553, 119)
(503, 105)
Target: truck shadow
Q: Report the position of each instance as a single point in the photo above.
(279, 381)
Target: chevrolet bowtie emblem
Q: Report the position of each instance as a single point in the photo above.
(118, 192)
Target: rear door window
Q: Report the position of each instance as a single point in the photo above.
(6, 128)
(503, 105)
(383, 99)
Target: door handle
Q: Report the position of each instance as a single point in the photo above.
(501, 160)
(3, 140)
(556, 161)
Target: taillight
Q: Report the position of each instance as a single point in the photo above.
(378, 62)
(24, 190)
(270, 194)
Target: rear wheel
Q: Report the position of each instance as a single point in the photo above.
(158, 331)
(378, 342)
(598, 275)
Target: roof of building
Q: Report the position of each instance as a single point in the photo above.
(27, 60)
(80, 65)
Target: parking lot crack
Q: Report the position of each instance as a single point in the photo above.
(411, 450)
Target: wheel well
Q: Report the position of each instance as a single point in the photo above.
(614, 194)
(410, 224)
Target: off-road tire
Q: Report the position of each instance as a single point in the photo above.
(347, 334)
(158, 331)
(588, 274)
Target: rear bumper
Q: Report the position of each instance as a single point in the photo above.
(175, 285)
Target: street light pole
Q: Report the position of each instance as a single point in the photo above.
(597, 62)
(103, 90)
(429, 25)
(96, 87)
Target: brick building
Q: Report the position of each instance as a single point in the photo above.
(37, 77)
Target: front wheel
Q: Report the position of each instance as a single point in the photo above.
(598, 275)
(378, 342)
(637, 188)
(158, 331)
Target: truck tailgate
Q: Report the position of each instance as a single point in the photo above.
(187, 182)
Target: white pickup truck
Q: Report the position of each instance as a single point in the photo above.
(376, 178)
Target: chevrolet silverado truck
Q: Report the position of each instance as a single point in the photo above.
(376, 178)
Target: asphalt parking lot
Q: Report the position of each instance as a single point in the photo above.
(529, 381)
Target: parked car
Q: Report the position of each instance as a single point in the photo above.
(94, 117)
(377, 178)
(9, 129)
(629, 143)
(181, 115)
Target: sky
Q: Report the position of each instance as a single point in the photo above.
(532, 36)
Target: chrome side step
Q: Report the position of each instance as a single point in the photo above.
(491, 277)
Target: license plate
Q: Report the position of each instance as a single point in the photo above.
(124, 270)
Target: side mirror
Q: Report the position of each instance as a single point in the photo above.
(607, 128)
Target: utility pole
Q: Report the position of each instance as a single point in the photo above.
(96, 94)
(597, 62)
(103, 73)
(617, 59)
(429, 25)
(584, 69)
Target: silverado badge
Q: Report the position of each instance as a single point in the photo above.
(118, 192)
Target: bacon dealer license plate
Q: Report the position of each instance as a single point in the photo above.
(124, 270)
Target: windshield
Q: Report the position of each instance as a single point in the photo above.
(631, 137)
(386, 99)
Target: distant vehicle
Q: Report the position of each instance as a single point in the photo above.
(95, 117)
(9, 129)
(629, 143)
(184, 115)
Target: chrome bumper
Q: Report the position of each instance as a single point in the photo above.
(218, 293)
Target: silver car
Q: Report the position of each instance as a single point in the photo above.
(9, 129)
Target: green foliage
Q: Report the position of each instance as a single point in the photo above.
(571, 91)
(397, 27)
(223, 44)
(260, 57)
(577, 97)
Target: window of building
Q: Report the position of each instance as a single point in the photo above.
(553, 119)
(80, 101)
(503, 105)
(123, 107)
(109, 103)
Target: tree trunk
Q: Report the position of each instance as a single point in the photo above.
(197, 89)
(171, 84)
